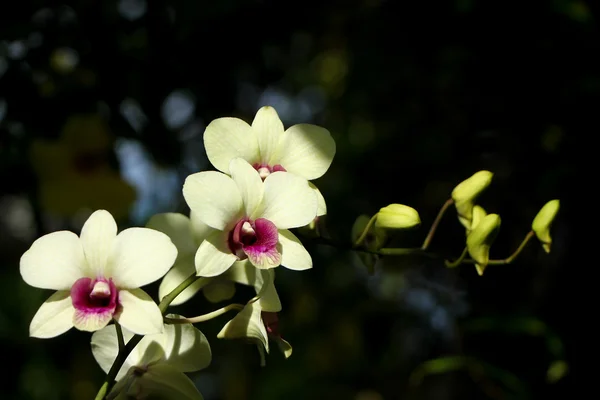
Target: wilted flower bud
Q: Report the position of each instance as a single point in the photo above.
(397, 216)
(465, 194)
(481, 238)
(542, 222)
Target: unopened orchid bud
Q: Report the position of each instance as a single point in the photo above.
(397, 216)
(480, 240)
(466, 193)
(543, 221)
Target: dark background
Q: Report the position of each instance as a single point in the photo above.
(418, 96)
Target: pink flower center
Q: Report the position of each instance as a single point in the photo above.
(94, 296)
(265, 170)
(256, 240)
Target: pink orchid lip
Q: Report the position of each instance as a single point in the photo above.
(94, 296)
(254, 239)
(265, 169)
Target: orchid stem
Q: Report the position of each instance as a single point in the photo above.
(120, 338)
(435, 224)
(455, 263)
(363, 235)
(512, 257)
(204, 317)
(124, 352)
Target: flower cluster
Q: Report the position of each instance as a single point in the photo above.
(238, 231)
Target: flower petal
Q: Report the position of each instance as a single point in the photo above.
(213, 256)
(321, 205)
(200, 230)
(306, 150)
(214, 197)
(162, 381)
(139, 313)
(105, 348)
(97, 237)
(293, 254)
(219, 290)
(263, 281)
(140, 256)
(288, 200)
(228, 138)
(54, 317)
(247, 324)
(248, 182)
(54, 261)
(177, 227)
(268, 129)
(182, 269)
(187, 348)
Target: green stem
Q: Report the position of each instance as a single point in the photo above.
(120, 338)
(512, 257)
(122, 355)
(455, 263)
(435, 224)
(204, 317)
(363, 235)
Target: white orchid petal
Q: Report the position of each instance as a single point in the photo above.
(293, 254)
(54, 317)
(268, 129)
(139, 314)
(249, 184)
(247, 324)
(187, 349)
(213, 256)
(228, 138)
(105, 348)
(321, 205)
(214, 197)
(306, 150)
(263, 281)
(288, 201)
(177, 227)
(182, 270)
(97, 237)
(162, 381)
(219, 290)
(140, 256)
(200, 230)
(54, 261)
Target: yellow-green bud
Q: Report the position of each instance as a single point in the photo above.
(479, 213)
(465, 194)
(480, 240)
(397, 216)
(543, 221)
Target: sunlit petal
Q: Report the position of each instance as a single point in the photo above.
(268, 129)
(293, 254)
(54, 261)
(306, 150)
(288, 200)
(214, 197)
(139, 313)
(228, 138)
(214, 257)
(54, 317)
(97, 236)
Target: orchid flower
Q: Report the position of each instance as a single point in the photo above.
(251, 218)
(157, 364)
(97, 277)
(305, 150)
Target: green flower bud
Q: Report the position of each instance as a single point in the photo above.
(397, 216)
(480, 239)
(479, 213)
(375, 238)
(543, 221)
(466, 193)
